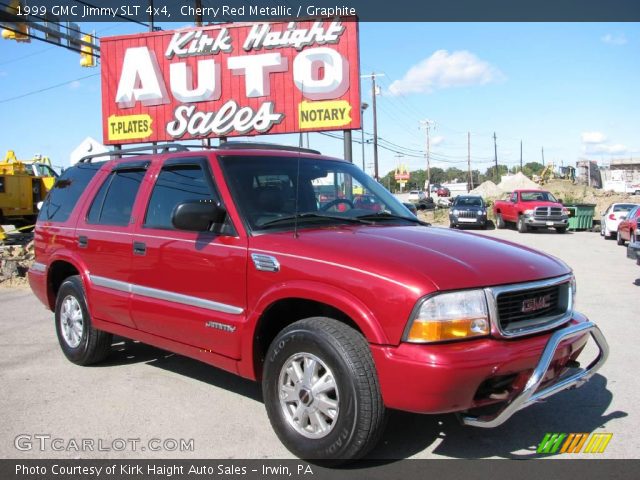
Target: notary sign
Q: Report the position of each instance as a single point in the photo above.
(230, 80)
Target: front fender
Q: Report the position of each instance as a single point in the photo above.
(335, 297)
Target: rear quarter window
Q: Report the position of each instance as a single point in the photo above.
(66, 192)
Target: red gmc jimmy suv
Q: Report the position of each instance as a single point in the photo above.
(258, 259)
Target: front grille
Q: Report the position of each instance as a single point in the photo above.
(548, 213)
(532, 308)
(467, 214)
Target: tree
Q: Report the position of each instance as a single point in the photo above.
(532, 168)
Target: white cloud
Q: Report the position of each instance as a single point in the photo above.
(446, 70)
(435, 141)
(617, 149)
(74, 85)
(593, 137)
(614, 39)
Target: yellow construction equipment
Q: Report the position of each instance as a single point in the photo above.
(23, 184)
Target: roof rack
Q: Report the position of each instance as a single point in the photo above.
(264, 146)
(178, 147)
(164, 148)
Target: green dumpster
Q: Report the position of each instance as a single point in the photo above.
(581, 215)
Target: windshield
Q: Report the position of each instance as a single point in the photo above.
(328, 193)
(468, 202)
(623, 207)
(537, 197)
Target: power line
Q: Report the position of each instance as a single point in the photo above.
(10, 99)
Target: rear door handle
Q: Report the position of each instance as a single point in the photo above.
(139, 248)
(83, 241)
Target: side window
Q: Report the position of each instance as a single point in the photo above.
(514, 197)
(67, 190)
(113, 203)
(176, 184)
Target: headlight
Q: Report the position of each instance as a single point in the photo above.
(454, 211)
(450, 316)
(528, 212)
(482, 212)
(565, 211)
(574, 289)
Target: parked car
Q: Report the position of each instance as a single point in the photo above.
(468, 210)
(443, 192)
(225, 255)
(530, 209)
(628, 226)
(611, 218)
(416, 196)
(633, 249)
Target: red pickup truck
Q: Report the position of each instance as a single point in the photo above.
(235, 257)
(531, 209)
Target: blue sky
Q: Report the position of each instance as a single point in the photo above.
(570, 88)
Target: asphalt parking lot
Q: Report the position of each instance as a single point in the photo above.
(146, 394)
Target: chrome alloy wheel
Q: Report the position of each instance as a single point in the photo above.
(71, 321)
(309, 395)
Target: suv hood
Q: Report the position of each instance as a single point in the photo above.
(428, 258)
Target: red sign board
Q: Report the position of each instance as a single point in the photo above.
(230, 80)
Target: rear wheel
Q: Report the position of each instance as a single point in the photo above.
(619, 238)
(500, 221)
(522, 226)
(321, 391)
(80, 342)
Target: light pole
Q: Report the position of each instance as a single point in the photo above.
(363, 107)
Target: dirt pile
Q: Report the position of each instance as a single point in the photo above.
(487, 189)
(519, 181)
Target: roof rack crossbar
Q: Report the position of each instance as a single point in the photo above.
(163, 148)
(265, 146)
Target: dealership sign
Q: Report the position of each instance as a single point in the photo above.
(230, 80)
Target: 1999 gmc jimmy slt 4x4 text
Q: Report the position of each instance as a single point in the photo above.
(260, 262)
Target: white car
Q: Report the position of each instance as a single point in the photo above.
(416, 196)
(612, 217)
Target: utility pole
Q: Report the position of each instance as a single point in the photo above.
(470, 180)
(375, 121)
(198, 8)
(426, 124)
(543, 156)
(520, 156)
(495, 153)
(363, 107)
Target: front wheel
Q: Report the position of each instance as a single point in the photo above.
(522, 226)
(80, 342)
(561, 229)
(321, 391)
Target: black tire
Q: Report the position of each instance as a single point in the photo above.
(92, 345)
(522, 226)
(344, 353)
(500, 221)
(452, 225)
(619, 238)
(561, 229)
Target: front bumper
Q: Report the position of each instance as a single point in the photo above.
(633, 251)
(534, 221)
(478, 220)
(453, 377)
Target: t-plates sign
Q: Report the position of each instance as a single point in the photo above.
(229, 80)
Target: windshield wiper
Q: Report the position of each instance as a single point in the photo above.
(299, 216)
(390, 216)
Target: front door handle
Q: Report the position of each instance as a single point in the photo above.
(83, 241)
(139, 248)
